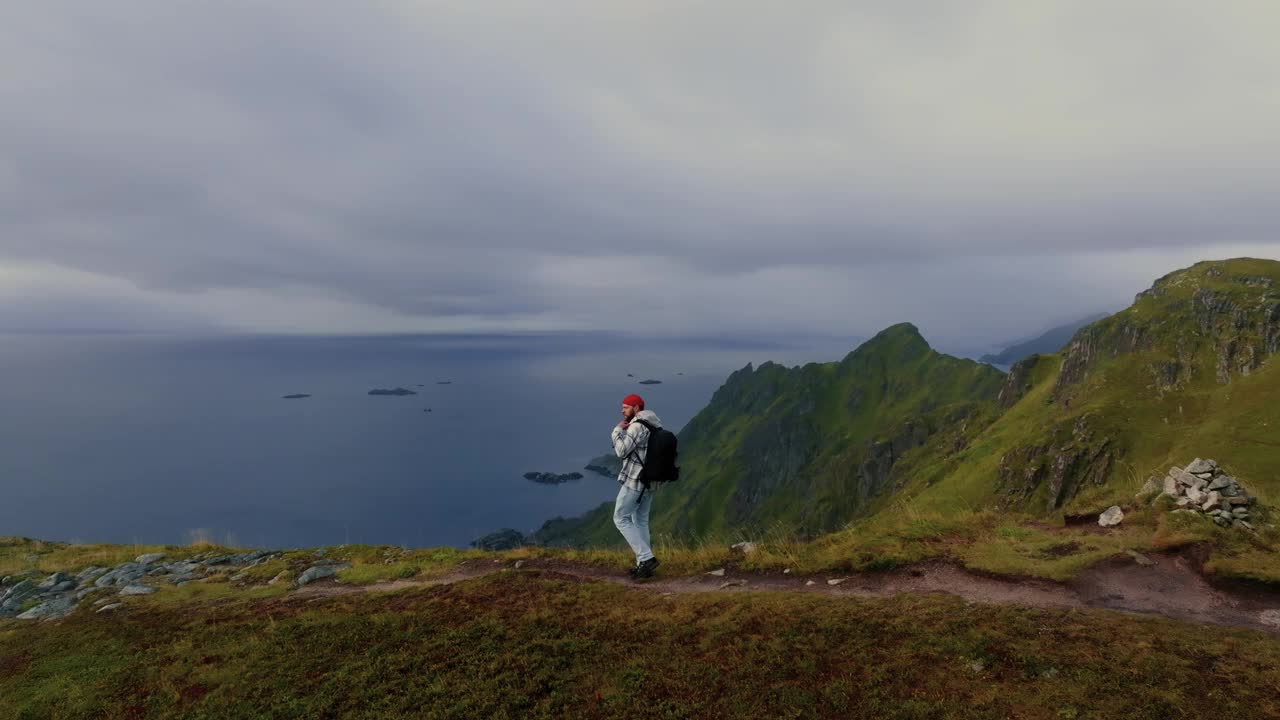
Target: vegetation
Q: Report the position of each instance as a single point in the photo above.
(532, 645)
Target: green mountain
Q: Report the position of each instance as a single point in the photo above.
(1183, 373)
(807, 448)
(1050, 341)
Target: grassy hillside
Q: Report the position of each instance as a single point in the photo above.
(806, 448)
(1185, 372)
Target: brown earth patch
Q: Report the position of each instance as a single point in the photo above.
(1060, 550)
(14, 664)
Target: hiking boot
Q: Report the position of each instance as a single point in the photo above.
(646, 569)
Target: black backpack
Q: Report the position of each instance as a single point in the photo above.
(660, 461)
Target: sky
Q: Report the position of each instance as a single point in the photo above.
(985, 170)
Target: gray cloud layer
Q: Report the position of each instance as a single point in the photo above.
(979, 168)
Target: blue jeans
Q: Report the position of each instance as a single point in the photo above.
(631, 517)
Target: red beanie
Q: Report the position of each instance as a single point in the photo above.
(634, 401)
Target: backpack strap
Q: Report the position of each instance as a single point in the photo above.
(637, 447)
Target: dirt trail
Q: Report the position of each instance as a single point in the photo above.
(1170, 587)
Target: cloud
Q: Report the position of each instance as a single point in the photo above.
(972, 167)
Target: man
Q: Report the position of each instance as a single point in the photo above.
(631, 511)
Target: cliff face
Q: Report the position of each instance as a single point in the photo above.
(1217, 319)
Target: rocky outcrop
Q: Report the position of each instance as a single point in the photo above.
(34, 596)
(1018, 382)
(1211, 311)
(1074, 456)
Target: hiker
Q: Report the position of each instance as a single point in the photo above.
(631, 511)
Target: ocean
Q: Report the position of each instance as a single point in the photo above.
(161, 439)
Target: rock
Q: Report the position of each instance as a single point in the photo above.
(279, 578)
(1270, 617)
(1220, 482)
(1183, 501)
(504, 539)
(49, 610)
(52, 581)
(1148, 489)
(316, 572)
(1240, 511)
(744, 548)
(13, 598)
(1171, 486)
(836, 581)
(1113, 516)
(810, 583)
(519, 564)
(1245, 524)
(123, 574)
(1221, 521)
(112, 606)
(1236, 501)
(63, 586)
(1141, 559)
(731, 583)
(717, 573)
(149, 558)
(137, 590)
(1211, 500)
(786, 571)
(1196, 497)
(1201, 466)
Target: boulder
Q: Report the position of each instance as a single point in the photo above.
(112, 606)
(50, 609)
(1201, 466)
(149, 558)
(316, 572)
(53, 580)
(1171, 486)
(137, 590)
(1112, 516)
(744, 548)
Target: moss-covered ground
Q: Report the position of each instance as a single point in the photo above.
(530, 645)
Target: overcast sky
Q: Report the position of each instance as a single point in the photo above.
(982, 169)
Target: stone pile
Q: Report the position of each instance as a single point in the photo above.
(58, 594)
(1202, 487)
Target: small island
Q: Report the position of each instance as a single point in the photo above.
(397, 391)
(444, 382)
(296, 396)
(552, 478)
(650, 382)
(426, 410)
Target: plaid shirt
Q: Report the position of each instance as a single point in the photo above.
(635, 437)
